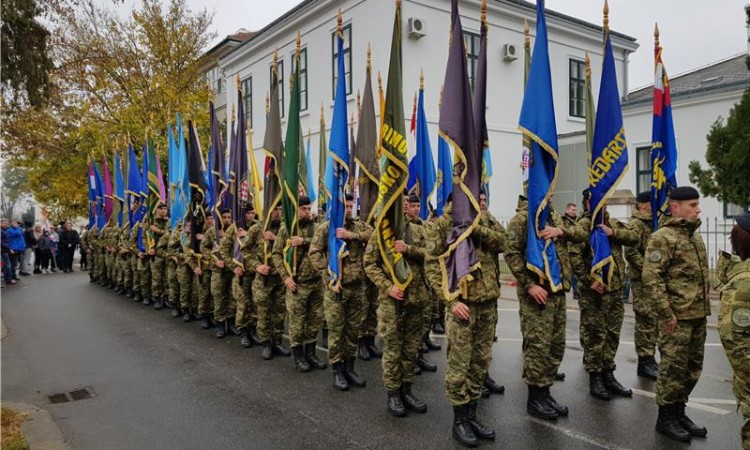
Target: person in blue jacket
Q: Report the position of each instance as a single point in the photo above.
(17, 245)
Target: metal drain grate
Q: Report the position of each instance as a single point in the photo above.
(78, 394)
(58, 398)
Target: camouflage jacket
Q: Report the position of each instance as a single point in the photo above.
(257, 251)
(161, 237)
(581, 254)
(417, 293)
(123, 244)
(515, 252)
(174, 245)
(640, 223)
(209, 249)
(489, 242)
(305, 272)
(675, 271)
(353, 270)
(734, 310)
(226, 247)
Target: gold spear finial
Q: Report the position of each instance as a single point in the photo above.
(369, 56)
(606, 15)
(380, 81)
(421, 79)
(415, 101)
(526, 38)
(656, 33)
(234, 110)
(238, 82)
(483, 16)
(398, 3)
(588, 65)
(340, 23)
(275, 58)
(299, 41)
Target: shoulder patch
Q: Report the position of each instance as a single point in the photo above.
(369, 248)
(511, 235)
(655, 256)
(741, 317)
(430, 245)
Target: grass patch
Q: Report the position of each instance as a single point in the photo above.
(12, 437)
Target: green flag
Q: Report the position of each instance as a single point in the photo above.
(290, 173)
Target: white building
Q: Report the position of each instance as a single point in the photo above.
(425, 47)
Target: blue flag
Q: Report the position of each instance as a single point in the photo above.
(310, 175)
(92, 196)
(339, 174)
(609, 162)
(486, 172)
(119, 188)
(444, 174)
(101, 218)
(143, 194)
(425, 165)
(182, 192)
(133, 192)
(538, 124)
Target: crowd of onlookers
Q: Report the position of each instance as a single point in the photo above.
(37, 249)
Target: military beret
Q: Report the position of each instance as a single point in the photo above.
(643, 197)
(349, 197)
(743, 220)
(225, 211)
(684, 193)
(162, 205)
(413, 198)
(249, 207)
(586, 194)
(303, 200)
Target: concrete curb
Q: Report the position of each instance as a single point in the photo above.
(40, 430)
(3, 330)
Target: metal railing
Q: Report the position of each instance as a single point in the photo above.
(715, 233)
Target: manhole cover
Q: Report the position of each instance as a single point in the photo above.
(58, 398)
(82, 394)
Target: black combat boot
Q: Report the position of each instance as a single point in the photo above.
(245, 340)
(232, 328)
(411, 401)
(158, 303)
(647, 367)
(188, 316)
(493, 386)
(123, 289)
(484, 392)
(668, 425)
(559, 376)
(687, 424)
(300, 362)
(138, 297)
(614, 386)
(177, 312)
(253, 332)
(168, 304)
(438, 327)
(396, 404)
(481, 431)
(147, 300)
(339, 380)
(462, 431)
(279, 349)
(362, 350)
(561, 410)
(118, 289)
(596, 386)
(375, 352)
(221, 327)
(425, 365)
(431, 346)
(351, 375)
(312, 358)
(537, 406)
(206, 321)
(267, 352)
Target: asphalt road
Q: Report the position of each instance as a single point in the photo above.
(163, 384)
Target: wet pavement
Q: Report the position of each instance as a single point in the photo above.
(162, 384)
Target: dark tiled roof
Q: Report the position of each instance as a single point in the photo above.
(726, 75)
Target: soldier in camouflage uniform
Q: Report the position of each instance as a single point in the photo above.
(734, 315)
(200, 263)
(470, 327)
(126, 275)
(401, 317)
(144, 264)
(174, 248)
(87, 246)
(245, 318)
(96, 253)
(343, 308)
(541, 308)
(304, 289)
(109, 242)
(602, 311)
(646, 329)
(268, 289)
(133, 244)
(675, 276)
(221, 279)
(160, 229)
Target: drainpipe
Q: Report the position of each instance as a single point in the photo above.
(625, 81)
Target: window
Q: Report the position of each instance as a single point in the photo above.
(219, 84)
(247, 100)
(334, 61)
(733, 209)
(303, 80)
(643, 168)
(577, 88)
(471, 45)
(282, 87)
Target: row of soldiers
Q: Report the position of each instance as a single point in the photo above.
(252, 289)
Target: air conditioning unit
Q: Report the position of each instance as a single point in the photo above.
(415, 28)
(510, 52)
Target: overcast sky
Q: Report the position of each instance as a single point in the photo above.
(694, 33)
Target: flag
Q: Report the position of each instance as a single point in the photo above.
(177, 169)
(390, 223)
(145, 207)
(255, 176)
(152, 193)
(537, 123)
(663, 144)
(162, 194)
(323, 164)
(185, 191)
(311, 188)
(119, 188)
(291, 174)
(196, 168)
(337, 171)
(92, 195)
(526, 142)
(609, 162)
(411, 183)
(217, 166)
(444, 179)
(365, 154)
(458, 129)
(273, 147)
(108, 190)
(425, 165)
(239, 168)
(133, 192)
(101, 219)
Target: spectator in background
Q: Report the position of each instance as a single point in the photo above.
(17, 244)
(33, 242)
(8, 275)
(69, 240)
(28, 254)
(54, 241)
(43, 252)
(84, 265)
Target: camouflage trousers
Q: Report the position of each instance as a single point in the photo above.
(109, 262)
(601, 322)
(242, 293)
(205, 300)
(144, 274)
(469, 351)
(268, 294)
(543, 331)
(188, 287)
(98, 263)
(343, 312)
(126, 271)
(369, 311)
(158, 276)
(174, 283)
(646, 325)
(136, 274)
(92, 265)
(681, 361)
(305, 312)
(736, 342)
(221, 285)
(401, 334)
